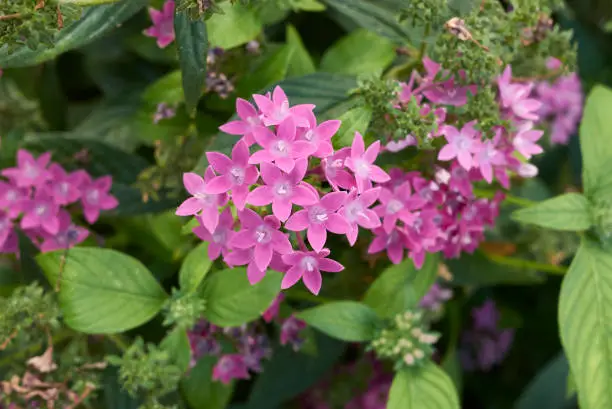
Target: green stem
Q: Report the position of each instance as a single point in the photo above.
(526, 264)
(32, 348)
(423, 47)
(306, 296)
(509, 199)
(118, 341)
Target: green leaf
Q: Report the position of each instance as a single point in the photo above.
(595, 137)
(345, 320)
(236, 25)
(423, 388)
(272, 70)
(195, 267)
(372, 15)
(200, 391)
(192, 44)
(177, 345)
(308, 5)
(103, 291)
(354, 120)
(361, 52)
(96, 22)
(547, 389)
(568, 212)
(585, 324)
(301, 62)
(167, 89)
(401, 286)
(232, 301)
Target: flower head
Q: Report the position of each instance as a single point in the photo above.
(361, 162)
(276, 110)
(43, 212)
(219, 239)
(515, 97)
(398, 204)
(319, 136)
(461, 144)
(29, 171)
(249, 120)
(65, 187)
(357, 213)
(525, 140)
(334, 169)
(229, 367)
(67, 236)
(95, 196)
(307, 266)
(12, 198)
(206, 205)
(163, 24)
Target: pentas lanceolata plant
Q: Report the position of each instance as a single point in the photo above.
(39, 196)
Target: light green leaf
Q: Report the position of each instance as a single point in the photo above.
(595, 137)
(345, 320)
(232, 301)
(195, 267)
(103, 291)
(167, 89)
(361, 52)
(237, 25)
(354, 120)
(568, 212)
(177, 345)
(199, 389)
(192, 44)
(301, 63)
(309, 5)
(95, 22)
(400, 287)
(423, 388)
(272, 70)
(585, 324)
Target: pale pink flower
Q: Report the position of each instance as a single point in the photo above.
(291, 332)
(163, 24)
(206, 205)
(222, 233)
(67, 237)
(398, 204)
(361, 162)
(461, 144)
(515, 97)
(275, 110)
(486, 158)
(12, 198)
(447, 93)
(29, 171)
(41, 211)
(65, 187)
(95, 197)
(525, 140)
(319, 136)
(334, 169)
(307, 265)
(357, 213)
(400, 145)
(235, 174)
(249, 120)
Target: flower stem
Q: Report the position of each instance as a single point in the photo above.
(526, 264)
(509, 199)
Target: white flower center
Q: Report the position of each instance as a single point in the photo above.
(362, 168)
(11, 196)
(394, 206)
(309, 135)
(237, 175)
(205, 198)
(353, 210)
(281, 148)
(92, 196)
(282, 189)
(63, 188)
(263, 235)
(40, 209)
(317, 215)
(30, 171)
(309, 263)
(219, 236)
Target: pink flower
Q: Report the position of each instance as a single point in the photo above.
(221, 234)
(41, 211)
(11, 244)
(394, 242)
(361, 162)
(29, 171)
(202, 203)
(400, 145)
(273, 309)
(333, 167)
(515, 97)
(275, 110)
(249, 120)
(67, 237)
(12, 198)
(96, 197)
(291, 332)
(263, 235)
(6, 228)
(239, 257)
(229, 367)
(319, 137)
(163, 24)
(307, 265)
(486, 158)
(282, 189)
(357, 213)
(64, 187)
(319, 218)
(461, 144)
(447, 93)
(282, 148)
(397, 205)
(235, 174)
(525, 140)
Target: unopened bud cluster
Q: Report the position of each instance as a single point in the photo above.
(405, 341)
(184, 309)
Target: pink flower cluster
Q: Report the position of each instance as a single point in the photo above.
(291, 328)
(163, 24)
(37, 195)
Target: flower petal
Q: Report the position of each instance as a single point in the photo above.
(194, 183)
(298, 221)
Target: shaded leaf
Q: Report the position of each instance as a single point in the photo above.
(237, 25)
(177, 345)
(547, 389)
(301, 62)
(354, 120)
(200, 391)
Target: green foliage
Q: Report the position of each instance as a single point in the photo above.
(200, 391)
(570, 212)
(102, 291)
(427, 387)
(183, 310)
(195, 267)
(548, 387)
(354, 120)
(345, 320)
(301, 61)
(236, 25)
(176, 343)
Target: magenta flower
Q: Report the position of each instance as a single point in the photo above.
(282, 148)
(357, 213)
(291, 332)
(307, 265)
(515, 97)
(334, 170)
(282, 190)
(398, 205)
(41, 211)
(319, 136)
(96, 197)
(525, 140)
(229, 367)
(163, 24)
(64, 187)
(276, 110)
(447, 93)
(6, 228)
(67, 237)
(394, 242)
(319, 218)
(202, 203)
(235, 174)
(461, 144)
(29, 171)
(12, 198)
(361, 162)
(11, 244)
(219, 238)
(240, 257)
(249, 120)
(263, 235)
(273, 309)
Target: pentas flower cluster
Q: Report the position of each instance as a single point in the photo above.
(485, 344)
(37, 196)
(267, 167)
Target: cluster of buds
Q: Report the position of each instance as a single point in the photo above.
(39, 195)
(406, 341)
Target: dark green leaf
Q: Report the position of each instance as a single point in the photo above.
(177, 345)
(272, 70)
(568, 212)
(200, 391)
(547, 389)
(423, 388)
(354, 120)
